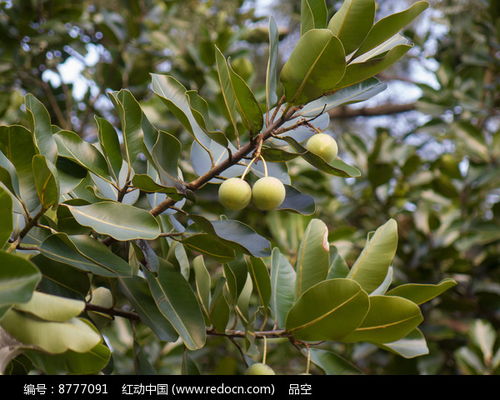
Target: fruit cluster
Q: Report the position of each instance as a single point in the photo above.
(268, 193)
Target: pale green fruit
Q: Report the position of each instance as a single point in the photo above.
(268, 193)
(243, 67)
(235, 193)
(102, 296)
(324, 146)
(259, 369)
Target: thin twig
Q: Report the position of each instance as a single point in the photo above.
(31, 223)
(240, 350)
(276, 109)
(114, 312)
(228, 162)
(173, 234)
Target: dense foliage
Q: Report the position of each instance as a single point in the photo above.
(113, 234)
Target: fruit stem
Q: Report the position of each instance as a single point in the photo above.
(265, 166)
(308, 362)
(248, 167)
(264, 355)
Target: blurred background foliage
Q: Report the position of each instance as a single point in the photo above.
(428, 147)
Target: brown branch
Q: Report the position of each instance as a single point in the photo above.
(386, 109)
(280, 333)
(228, 162)
(231, 334)
(32, 221)
(114, 312)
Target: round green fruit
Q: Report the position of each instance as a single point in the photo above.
(268, 193)
(235, 194)
(259, 369)
(102, 297)
(243, 67)
(324, 146)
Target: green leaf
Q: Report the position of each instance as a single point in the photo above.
(272, 65)
(202, 162)
(421, 293)
(243, 302)
(203, 283)
(328, 311)
(336, 167)
(166, 153)
(147, 184)
(6, 220)
(390, 25)
(189, 367)
(236, 234)
(120, 221)
(382, 289)
(131, 116)
(352, 22)
(283, 281)
(46, 181)
(41, 127)
(52, 308)
(468, 362)
(52, 337)
(136, 290)
(370, 269)
(261, 280)
(173, 94)
(332, 363)
(381, 50)
(389, 319)
(210, 245)
(18, 279)
(91, 362)
(199, 108)
(176, 300)
(219, 309)
(142, 365)
(58, 279)
(8, 175)
(66, 223)
(297, 202)
(483, 336)
(181, 259)
(358, 72)
(314, 68)
(313, 15)
(71, 146)
(85, 254)
(411, 346)
(70, 174)
(471, 139)
(272, 154)
(241, 234)
(238, 97)
(16, 143)
(338, 266)
(313, 256)
(353, 94)
(236, 274)
(110, 145)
